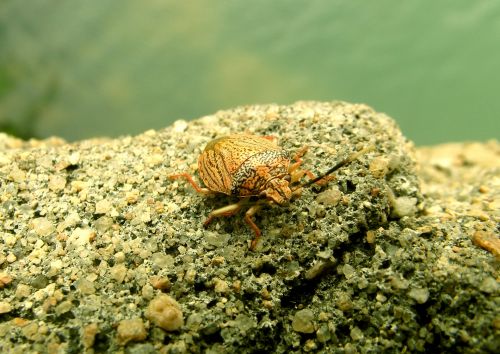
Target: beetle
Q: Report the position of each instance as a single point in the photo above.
(249, 166)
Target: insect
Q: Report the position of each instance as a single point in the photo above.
(249, 167)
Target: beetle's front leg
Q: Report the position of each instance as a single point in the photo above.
(296, 173)
(228, 210)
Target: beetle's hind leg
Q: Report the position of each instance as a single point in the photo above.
(192, 182)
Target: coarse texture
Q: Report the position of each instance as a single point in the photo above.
(93, 232)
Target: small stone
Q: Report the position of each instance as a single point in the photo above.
(40, 281)
(20, 322)
(488, 285)
(162, 260)
(349, 271)
(310, 345)
(81, 237)
(63, 307)
(88, 334)
(119, 257)
(344, 302)
(30, 331)
(487, 240)
(318, 269)
(221, 286)
(11, 258)
(480, 214)
(9, 240)
(379, 167)
(159, 282)
(329, 197)
(404, 206)
(323, 334)
(165, 312)
(420, 295)
(303, 321)
(5, 307)
(22, 291)
(356, 334)
(399, 283)
(57, 183)
(118, 272)
(131, 330)
(190, 276)
(103, 224)
(42, 226)
(218, 260)
(74, 158)
(5, 280)
(370, 237)
(103, 207)
(85, 286)
(180, 126)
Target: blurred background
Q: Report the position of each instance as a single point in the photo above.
(80, 69)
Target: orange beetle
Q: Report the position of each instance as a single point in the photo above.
(249, 165)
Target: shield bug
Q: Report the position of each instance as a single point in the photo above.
(247, 166)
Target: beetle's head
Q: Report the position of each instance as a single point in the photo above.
(278, 190)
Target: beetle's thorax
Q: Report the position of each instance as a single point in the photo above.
(278, 190)
(261, 172)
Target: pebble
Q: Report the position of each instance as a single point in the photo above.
(329, 197)
(162, 260)
(118, 272)
(404, 206)
(221, 286)
(131, 330)
(489, 285)
(88, 334)
(103, 206)
(165, 312)
(22, 291)
(5, 280)
(159, 282)
(323, 334)
(81, 236)
(5, 307)
(356, 334)
(57, 183)
(85, 286)
(42, 226)
(379, 167)
(303, 321)
(420, 295)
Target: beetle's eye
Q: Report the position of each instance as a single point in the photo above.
(287, 178)
(263, 194)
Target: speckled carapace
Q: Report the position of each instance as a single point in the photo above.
(244, 166)
(248, 166)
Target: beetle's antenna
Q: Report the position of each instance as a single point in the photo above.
(340, 164)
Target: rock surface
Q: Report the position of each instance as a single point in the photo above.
(387, 257)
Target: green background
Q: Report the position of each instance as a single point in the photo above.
(81, 69)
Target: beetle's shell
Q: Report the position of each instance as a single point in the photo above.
(241, 164)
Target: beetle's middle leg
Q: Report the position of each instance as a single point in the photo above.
(248, 219)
